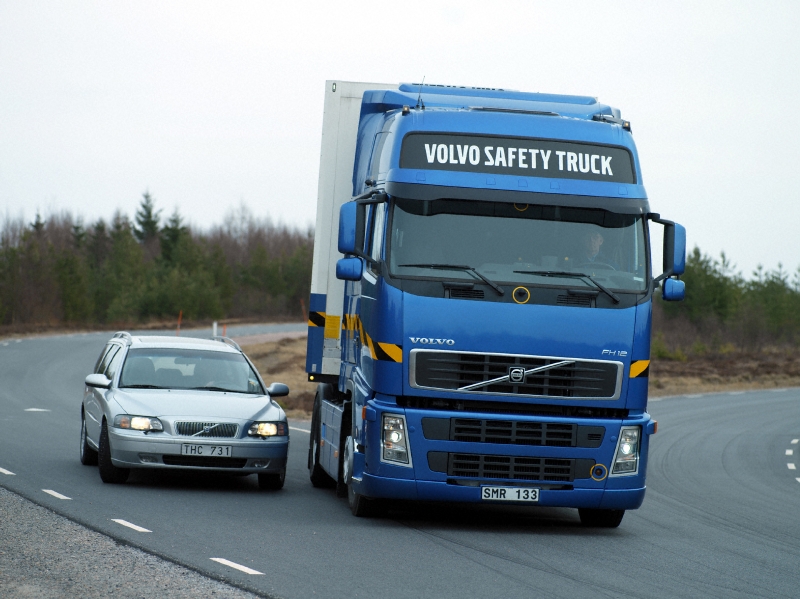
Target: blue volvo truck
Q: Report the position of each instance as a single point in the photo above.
(481, 300)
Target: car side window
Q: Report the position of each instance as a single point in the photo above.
(112, 351)
(100, 358)
(114, 364)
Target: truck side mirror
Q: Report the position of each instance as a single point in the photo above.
(347, 228)
(673, 290)
(349, 269)
(674, 249)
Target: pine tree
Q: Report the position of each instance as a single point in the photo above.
(146, 219)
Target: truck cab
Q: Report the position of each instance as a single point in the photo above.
(482, 300)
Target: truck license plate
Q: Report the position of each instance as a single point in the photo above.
(509, 494)
(206, 450)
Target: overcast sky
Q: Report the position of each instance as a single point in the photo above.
(211, 104)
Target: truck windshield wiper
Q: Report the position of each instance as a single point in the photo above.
(574, 275)
(494, 286)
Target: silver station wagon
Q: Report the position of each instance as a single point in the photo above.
(184, 404)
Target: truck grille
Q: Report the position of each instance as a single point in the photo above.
(465, 465)
(216, 429)
(452, 371)
(515, 433)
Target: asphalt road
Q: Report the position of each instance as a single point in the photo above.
(719, 519)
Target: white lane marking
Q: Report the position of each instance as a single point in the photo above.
(791, 466)
(302, 430)
(778, 390)
(695, 395)
(8, 472)
(130, 525)
(55, 494)
(5, 344)
(790, 452)
(798, 480)
(236, 566)
(17, 340)
(795, 441)
(736, 393)
(36, 410)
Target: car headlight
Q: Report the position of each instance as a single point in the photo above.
(268, 429)
(626, 460)
(138, 423)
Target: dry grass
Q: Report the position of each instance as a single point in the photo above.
(731, 372)
(284, 361)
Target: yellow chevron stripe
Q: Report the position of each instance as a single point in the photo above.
(395, 352)
(638, 367)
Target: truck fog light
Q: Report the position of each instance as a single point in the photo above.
(395, 446)
(626, 458)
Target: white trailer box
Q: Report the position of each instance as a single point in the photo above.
(339, 135)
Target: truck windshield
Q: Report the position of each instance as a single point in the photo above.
(517, 244)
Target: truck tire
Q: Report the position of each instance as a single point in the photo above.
(319, 478)
(601, 518)
(109, 473)
(88, 455)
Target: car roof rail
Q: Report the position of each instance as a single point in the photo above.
(227, 341)
(123, 335)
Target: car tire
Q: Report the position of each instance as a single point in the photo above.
(88, 455)
(600, 518)
(109, 473)
(319, 478)
(271, 481)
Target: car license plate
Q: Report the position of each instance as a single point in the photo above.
(223, 451)
(509, 494)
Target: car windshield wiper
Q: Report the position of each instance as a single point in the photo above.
(140, 387)
(493, 285)
(574, 275)
(225, 389)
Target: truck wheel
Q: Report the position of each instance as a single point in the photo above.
(359, 505)
(109, 473)
(272, 481)
(88, 455)
(601, 518)
(319, 478)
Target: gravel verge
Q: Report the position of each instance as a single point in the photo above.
(44, 555)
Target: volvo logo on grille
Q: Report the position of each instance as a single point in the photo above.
(516, 374)
(206, 429)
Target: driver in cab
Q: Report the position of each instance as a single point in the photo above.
(592, 252)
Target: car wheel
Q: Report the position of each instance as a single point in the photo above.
(88, 455)
(601, 518)
(109, 473)
(319, 478)
(272, 481)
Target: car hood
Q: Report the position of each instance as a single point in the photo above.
(201, 405)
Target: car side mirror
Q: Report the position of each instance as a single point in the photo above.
(673, 290)
(278, 390)
(99, 381)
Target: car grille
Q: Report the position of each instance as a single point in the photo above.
(515, 433)
(204, 462)
(451, 371)
(216, 429)
(465, 465)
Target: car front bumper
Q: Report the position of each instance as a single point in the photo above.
(134, 449)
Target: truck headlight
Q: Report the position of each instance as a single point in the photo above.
(394, 440)
(138, 423)
(626, 459)
(267, 429)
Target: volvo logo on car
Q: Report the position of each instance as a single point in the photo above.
(432, 341)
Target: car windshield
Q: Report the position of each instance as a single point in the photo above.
(517, 244)
(189, 369)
